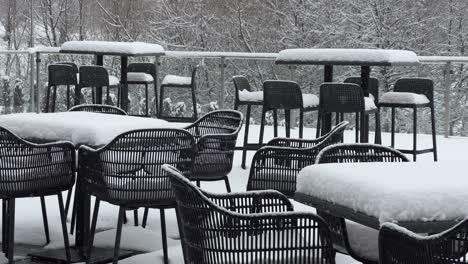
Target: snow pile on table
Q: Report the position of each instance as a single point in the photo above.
(391, 192)
(92, 129)
(177, 80)
(403, 98)
(110, 47)
(348, 57)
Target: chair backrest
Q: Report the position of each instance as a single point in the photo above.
(240, 83)
(373, 85)
(61, 74)
(341, 98)
(276, 168)
(128, 170)
(144, 67)
(75, 67)
(212, 234)
(415, 85)
(216, 135)
(282, 95)
(93, 76)
(359, 152)
(398, 245)
(28, 169)
(98, 108)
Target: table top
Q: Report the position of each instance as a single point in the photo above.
(112, 48)
(80, 128)
(362, 57)
(396, 192)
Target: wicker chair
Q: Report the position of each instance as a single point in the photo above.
(398, 245)
(343, 98)
(276, 165)
(30, 170)
(98, 108)
(127, 173)
(343, 230)
(251, 227)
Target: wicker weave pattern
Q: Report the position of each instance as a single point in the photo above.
(281, 95)
(29, 169)
(341, 98)
(127, 172)
(214, 234)
(216, 135)
(98, 108)
(276, 166)
(415, 85)
(397, 247)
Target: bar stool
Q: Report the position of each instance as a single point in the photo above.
(60, 74)
(144, 74)
(347, 98)
(245, 96)
(96, 76)
(175, 81)
(285, 95)
(373, 94)
(412, 93)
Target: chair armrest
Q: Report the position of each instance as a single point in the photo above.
(276, 168)
(252, 202)
(294, 142)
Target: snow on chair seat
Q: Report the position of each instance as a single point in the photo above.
(176, 80)
(310, 100)
(404, 98)
(363, 240)
(369, 104)
(139, 77)
(248, 96)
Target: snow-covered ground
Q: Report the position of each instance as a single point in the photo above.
(29, 227)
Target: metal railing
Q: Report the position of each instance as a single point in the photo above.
(34, 54)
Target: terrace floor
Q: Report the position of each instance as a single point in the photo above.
(29, 228)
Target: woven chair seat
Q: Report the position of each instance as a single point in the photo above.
(209, 165)
(404, 98)
(363, 240)
(140, 190)
(139, 77)
(177, 80)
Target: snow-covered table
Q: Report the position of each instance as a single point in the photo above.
(109, 48)
(360, 57)
(80, 128)
(423, 197)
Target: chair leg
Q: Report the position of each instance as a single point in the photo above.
(275, 123)
(77, 95)
(262, 128)
(194, 103)
(434, 133)
(198, 184)
(287, 114)
(63, 218)
(44, 219)
(246, 136)
(228, 186)
(163, 235)
(73, 216)
(11, 230)
(378, 130)
(357, 128)
(4, 225)
(108, 100)
(68, 97)
(319, 123)
(54, 99)
(301, 123)
(161, 97)
(68, 201)
(155, 98)
(92, 231)
(415, 132)
(118, 235)
(146, 99)
(135, 217)
(47, 99)
(145, 217)
(392, 133)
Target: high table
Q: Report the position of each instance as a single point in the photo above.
(423, 197)
(358, 57)
(108, 48)
(80, 128)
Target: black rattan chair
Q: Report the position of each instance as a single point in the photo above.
(127, 173)
(343, 230)
(30, 170)
(145, 74)
(275, 166)
(177, 82)
(245, 96)
(412, 93)
(97, 76)
(398, 245)
(60, 74)
(343, 98)
(97, 108)
(251, 227)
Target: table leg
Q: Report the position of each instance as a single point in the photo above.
(365, 75)
(123, 82)
(99, 62)
(327, 117)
